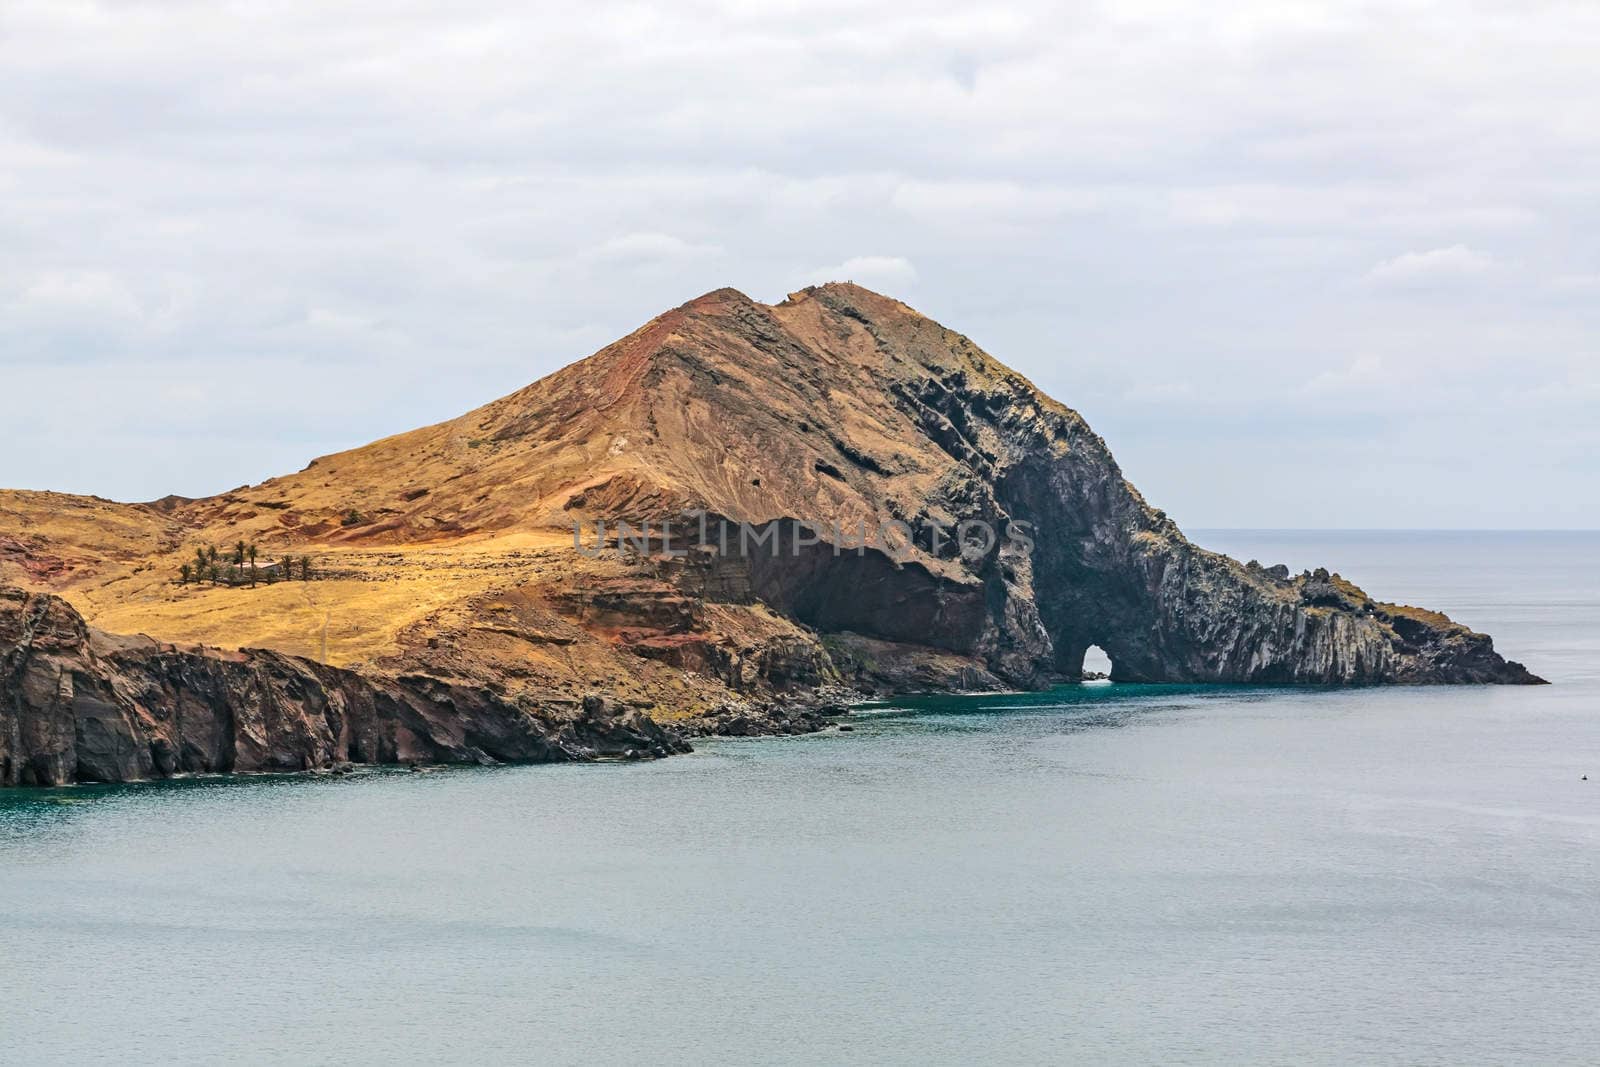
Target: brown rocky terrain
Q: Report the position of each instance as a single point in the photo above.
(447, 553)
(81, 705)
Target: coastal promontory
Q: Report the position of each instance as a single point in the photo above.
(922, 519)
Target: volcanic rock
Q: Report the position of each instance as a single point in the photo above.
(77, 705)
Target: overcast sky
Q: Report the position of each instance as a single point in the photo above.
(1300, 264)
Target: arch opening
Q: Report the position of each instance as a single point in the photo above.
(1096, 664)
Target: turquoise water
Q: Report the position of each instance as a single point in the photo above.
(1109, 873)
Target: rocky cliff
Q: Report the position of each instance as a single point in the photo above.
(447, 569)
(842, 406)
(77, 705)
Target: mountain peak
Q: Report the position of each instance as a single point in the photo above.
(719, 299)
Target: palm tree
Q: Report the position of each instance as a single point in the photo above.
(238, 554)
(250, 550)
(305, 568)
(183, 574)
(286, 564)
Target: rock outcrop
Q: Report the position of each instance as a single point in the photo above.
(842, 406)
(77, 705)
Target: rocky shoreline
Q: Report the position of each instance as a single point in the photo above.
(79, 705)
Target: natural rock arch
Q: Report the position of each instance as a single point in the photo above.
(1097, 661)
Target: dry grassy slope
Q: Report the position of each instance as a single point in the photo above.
(60, 538)
(722, 403)
(683, 411)
(725, 403)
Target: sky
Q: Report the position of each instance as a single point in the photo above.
(1301, 264)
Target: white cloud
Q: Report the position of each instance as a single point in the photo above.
(384, 192)
(1577, 283)
(890, 273)
(1364, 374)
(1008, 201)
(1164, 391)
(1435, 265)
(80, 293)
(649, 248)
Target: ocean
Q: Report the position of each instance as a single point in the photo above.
(1104, 873)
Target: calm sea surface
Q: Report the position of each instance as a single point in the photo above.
(1108, 873)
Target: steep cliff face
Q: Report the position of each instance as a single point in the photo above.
(80, 706)
(842, 405)
(1109, 570)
